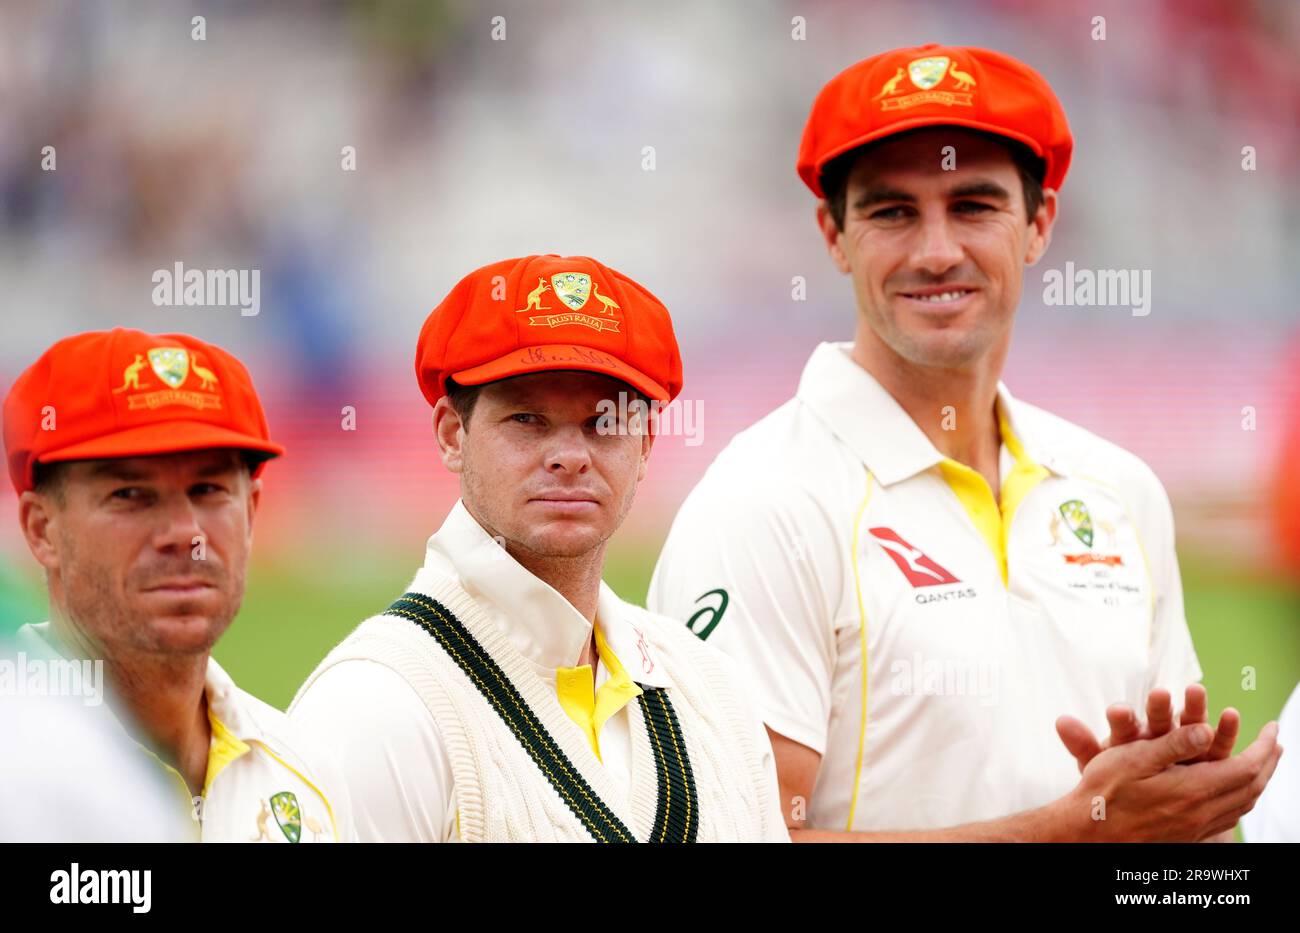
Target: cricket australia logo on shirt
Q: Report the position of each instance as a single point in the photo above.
(1078, 518)
(288, 815)
(919, 569)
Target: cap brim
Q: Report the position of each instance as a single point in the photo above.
(918, 123)
(560, 357)
(168, 437)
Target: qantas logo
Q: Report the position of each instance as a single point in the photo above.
(919, 569)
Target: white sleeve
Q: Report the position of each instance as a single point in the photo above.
(398, 774)
(754, 573)
(1276, 817)
(1172, 659)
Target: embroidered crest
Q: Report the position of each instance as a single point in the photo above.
(285, 807)
(170, 364)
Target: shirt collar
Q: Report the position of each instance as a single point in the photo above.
(543, 625)
(226, 709)
(860, 412)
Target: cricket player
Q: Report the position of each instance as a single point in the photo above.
(137, 459)
(510, 695)
(921, 572)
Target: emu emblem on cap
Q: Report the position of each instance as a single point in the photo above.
(572, 288)
(170, 364)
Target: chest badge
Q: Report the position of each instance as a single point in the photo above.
(287, 814)
(1077, 517)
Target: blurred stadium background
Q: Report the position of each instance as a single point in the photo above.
(226, 153)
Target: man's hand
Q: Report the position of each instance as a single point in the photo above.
(1141, 798)
(1125, 727)
(1129, 792)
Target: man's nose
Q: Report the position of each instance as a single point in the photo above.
(178, 524)
(568, 452)
(936, 250)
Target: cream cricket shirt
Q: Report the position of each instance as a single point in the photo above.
(266, 781)
(398, 763)
(918, 634)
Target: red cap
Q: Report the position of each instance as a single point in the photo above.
(125, 393)
(935, 85)
(543, 313)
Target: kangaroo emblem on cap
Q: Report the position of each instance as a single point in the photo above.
(891, 85)
(131, 375)
(535, 297)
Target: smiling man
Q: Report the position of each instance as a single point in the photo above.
(920, 572)
(137, 485)
(510, 695)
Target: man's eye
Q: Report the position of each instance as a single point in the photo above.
(523, 417)
(888, 213)
(972, 207)
(127, 493)
(204, 489)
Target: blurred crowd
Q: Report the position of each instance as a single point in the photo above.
(472, 144)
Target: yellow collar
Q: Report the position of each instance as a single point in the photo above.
(542, 624)
(591, 708)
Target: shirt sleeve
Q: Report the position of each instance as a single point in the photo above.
(1173, 662)
(1276, 817)
(393, 759)
(754, 572)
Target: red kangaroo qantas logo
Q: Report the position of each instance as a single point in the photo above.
(919, 569)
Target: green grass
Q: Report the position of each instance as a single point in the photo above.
(293, 615)
(1240, 624)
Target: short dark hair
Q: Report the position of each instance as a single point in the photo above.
(47, 480)
(463, 399)
(1030, 168)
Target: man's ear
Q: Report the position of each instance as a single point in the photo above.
(38, 516)
(448, 430)
(647, 442)
(831, 234)
(1040, 234)
(254, 499)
